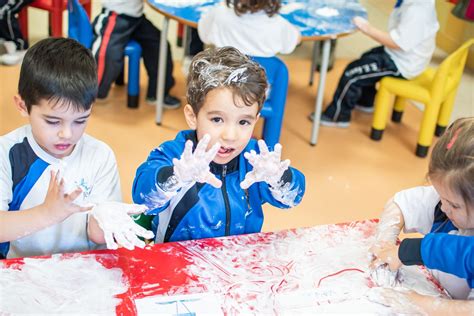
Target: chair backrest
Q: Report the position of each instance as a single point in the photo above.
(274, 106)
(80, 27)
(277, 77)
(449, 73)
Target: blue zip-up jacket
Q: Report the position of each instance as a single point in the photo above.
(202, 211)
(441, 251)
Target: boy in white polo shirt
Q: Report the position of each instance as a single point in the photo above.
(406, 51)
(51, 173)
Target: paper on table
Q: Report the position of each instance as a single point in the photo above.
(192, 304)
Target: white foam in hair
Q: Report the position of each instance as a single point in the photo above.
(209, 74)
(237, 76)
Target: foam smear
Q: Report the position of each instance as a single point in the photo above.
(314, 270)
(78, 284)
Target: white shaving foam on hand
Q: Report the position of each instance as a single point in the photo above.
(327, 12)
(79, 285)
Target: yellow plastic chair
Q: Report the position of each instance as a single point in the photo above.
(435, 88)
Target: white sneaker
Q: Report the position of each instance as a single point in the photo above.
(13, 58)
(10, 47)
(364, 109)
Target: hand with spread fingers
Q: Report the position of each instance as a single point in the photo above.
(118, 226)
(59, 204)
(194, 166)
(267, 166)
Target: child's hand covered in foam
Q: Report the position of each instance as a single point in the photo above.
(267, 166)
(194, 166)
(119, 228)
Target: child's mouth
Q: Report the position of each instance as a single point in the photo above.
(225, 151)
(62, 147)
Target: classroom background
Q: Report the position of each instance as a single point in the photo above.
(349, 176)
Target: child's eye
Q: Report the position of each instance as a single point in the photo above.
(244, 122)
(216, 120)
(52, 122)
(80, 122)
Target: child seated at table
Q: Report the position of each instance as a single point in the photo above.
(445, 207)
(52, 173)
(212, 180)
(405, 52)
(253, 27)
(120, 22)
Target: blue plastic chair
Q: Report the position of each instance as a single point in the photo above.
(80, 29)
(274, 107)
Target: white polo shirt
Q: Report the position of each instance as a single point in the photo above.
(24, 179)
(413, 27)
(254, 34)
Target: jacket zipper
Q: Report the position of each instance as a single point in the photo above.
(226, 202)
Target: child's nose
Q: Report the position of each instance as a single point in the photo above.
(65, 132)
(229, 133)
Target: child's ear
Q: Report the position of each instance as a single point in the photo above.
(20, 105)
(190, 117)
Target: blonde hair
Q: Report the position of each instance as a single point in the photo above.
(452, 159)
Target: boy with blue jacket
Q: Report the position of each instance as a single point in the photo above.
(212, 180)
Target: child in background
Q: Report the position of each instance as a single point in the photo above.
(51, 172)
(253, 27)
(406, 51)
(12, 43)
(211, 181)
(446, 207)
(119, 22)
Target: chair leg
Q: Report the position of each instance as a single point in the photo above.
(398, 109)
(56, 22)
(382, 103)
(134, 52)
(427, 128)
(23, 19)
(445, 113)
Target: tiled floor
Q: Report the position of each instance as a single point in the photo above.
(348, 175)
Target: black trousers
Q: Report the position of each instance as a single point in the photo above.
(357, 84)
(112, 32)
(9, 26)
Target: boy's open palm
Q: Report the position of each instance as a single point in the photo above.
(267, 166)
(118, 226)
(60, 204)
(194, 166)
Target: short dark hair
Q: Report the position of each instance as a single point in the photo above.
(452, 159)
(58, 69)
(271, 7)
(225, 67)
